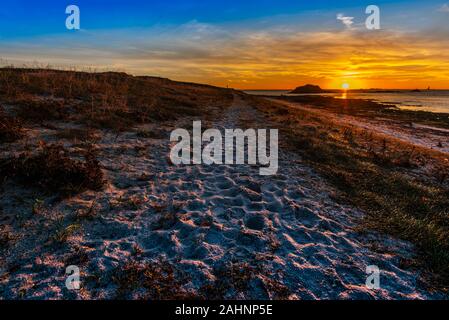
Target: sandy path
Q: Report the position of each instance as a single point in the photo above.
(287, 224)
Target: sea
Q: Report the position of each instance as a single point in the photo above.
(428, 100)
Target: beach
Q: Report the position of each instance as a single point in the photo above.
(140, 227)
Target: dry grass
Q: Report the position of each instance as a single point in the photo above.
(10, 128)
(369, 109)
(89, 213)
(76, 134)
(235, 278)
(37, 111)
(62, 234)
(383, 177)
(160, 280)
(152, 134)
(6, 237)
(104, 100)
(53, 170)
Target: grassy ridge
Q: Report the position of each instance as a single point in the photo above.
(103, 100)
(77, 105)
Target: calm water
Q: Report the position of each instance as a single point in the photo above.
(433, 101)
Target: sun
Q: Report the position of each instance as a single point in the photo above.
(345, 86)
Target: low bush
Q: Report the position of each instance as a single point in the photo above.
(54, 170)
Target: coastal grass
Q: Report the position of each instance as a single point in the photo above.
(11, 129)
(151, 134)
(370, 109)
(52, 169)
(108, 100)
(384, 178)
(159, 280)
(76, 134)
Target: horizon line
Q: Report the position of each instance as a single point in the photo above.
(339, 89)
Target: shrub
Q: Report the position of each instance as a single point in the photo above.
(10, 128)
(75, 134)
(161, 280)
(109, 100)
(52, 169)
(38, 111)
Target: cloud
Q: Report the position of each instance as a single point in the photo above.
(251, 58)
(347, 21)
(444, 8)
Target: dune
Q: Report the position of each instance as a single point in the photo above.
(148, 229)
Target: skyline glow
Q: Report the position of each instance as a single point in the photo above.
(250, 45)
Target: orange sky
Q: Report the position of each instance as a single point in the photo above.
(380, 59)
(361, 59)
(270, 58)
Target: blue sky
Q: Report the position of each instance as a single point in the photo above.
(33, 18)
(245, 44)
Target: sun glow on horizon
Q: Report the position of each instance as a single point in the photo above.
(264, 53)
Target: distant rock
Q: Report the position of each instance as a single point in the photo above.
(308, 88)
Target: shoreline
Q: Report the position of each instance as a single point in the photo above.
(367, 108)
(347, 96)
(431, 137)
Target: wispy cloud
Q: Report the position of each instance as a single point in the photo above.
(347, 21)
(444, 8)
(263, 56)
(257, 58)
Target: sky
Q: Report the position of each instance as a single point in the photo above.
(263, 44)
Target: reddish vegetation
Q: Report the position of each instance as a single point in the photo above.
(109, 100)
(10, 128)
(52, 169)
(103, 100)
(160, 280)
(147, 229)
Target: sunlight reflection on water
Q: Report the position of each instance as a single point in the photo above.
(434, 100)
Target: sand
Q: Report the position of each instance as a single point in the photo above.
(288, 225)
